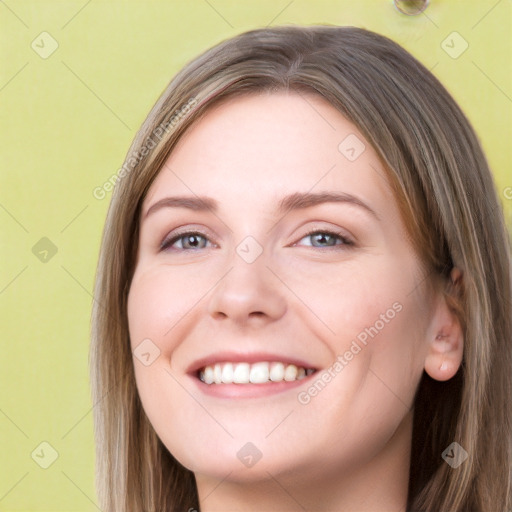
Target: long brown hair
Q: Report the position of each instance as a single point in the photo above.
(445, 191)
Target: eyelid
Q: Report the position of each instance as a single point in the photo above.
(173, 237)
(346, 239)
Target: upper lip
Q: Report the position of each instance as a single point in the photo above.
(245, 357)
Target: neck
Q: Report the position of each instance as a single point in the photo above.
(380, 485)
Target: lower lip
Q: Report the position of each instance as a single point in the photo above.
(249, 390)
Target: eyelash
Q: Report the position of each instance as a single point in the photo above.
(346, 243)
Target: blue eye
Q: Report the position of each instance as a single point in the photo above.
(190, 241)
(193, 240)
(330, 238)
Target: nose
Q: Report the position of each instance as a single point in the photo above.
(249, 293)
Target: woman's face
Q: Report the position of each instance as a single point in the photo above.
(252, 288)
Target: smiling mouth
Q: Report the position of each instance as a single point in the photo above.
(252, 373)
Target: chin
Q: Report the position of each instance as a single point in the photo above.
(243, 462)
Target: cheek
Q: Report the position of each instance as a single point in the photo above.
(361, 298)
(380, 352)
(159, 299)
(373, 318)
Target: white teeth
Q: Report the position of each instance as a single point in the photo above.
(259, 373)
(277, 372)
(256, 373)
(227, 373)
(241, 374)
(208, 375)
(217, 373)
(290, 372)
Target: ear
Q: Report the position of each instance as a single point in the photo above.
(445, 343)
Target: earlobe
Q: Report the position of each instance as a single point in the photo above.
(445, 349)
(445, 355)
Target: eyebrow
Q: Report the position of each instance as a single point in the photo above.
(295, 201)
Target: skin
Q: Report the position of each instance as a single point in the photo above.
(348, 448)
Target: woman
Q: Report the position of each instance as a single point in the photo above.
(304, 290)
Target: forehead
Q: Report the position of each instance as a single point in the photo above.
(254, 149)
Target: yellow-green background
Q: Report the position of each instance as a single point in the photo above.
(66, 123)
